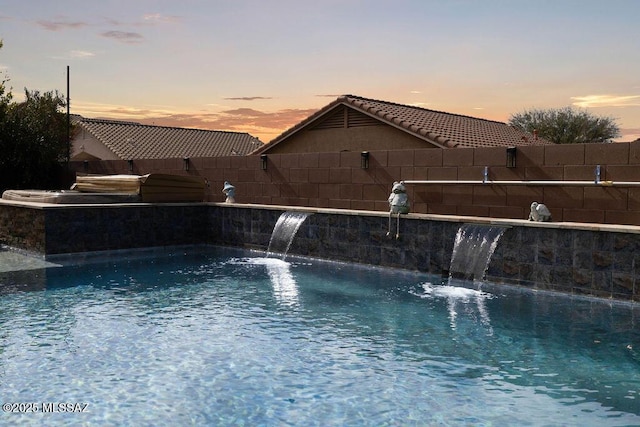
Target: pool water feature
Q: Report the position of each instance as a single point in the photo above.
(284, 231)
(218, 336)
(473, 247)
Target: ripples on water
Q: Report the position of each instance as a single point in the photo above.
(215, 337)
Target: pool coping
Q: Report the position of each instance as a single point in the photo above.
(614, 228)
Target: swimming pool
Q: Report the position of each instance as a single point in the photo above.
(217, 336)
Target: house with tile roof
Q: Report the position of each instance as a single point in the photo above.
(97, 139)
(354, 123)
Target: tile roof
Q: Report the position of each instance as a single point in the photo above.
(445, 130)
(131, 140)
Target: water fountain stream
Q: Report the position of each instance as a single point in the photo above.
(285, 288)
(284, 231)
(472, 250)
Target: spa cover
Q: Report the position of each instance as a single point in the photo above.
(153, 188)
(68, 197)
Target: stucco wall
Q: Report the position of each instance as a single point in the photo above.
(85, 144)
(365, 138)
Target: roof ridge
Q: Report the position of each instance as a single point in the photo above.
(124, 122)
(421, 108)
(119, 122)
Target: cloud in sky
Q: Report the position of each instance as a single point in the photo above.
(131, 37)
(127, 37)
(262, 124)
(149, 19)
(629, 134)
(60, 25)
(271, 120)
(81, 54)
(216, 55)
(248, 98)
(592, 101)
(157, 18)
(76, 54)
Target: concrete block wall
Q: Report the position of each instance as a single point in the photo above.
(336, 180)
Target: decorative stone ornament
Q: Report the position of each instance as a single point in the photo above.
(539, 212)
(398, 204)
(230, 191)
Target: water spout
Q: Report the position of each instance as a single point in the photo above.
(472, 250)
(284, 231)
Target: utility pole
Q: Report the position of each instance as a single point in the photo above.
(68, 121)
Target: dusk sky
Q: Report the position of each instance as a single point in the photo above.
(262, 66)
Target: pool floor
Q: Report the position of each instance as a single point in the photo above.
(218, 336)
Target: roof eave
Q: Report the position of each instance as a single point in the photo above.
(302, 125)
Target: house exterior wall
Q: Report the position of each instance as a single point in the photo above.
(84, 142)
(336, 180)
(363, 138)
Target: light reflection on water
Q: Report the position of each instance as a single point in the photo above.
(460, 298)
(285, 288)
(217, 337)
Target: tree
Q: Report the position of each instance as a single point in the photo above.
(5, 98)
(33, 139)
(566, 125)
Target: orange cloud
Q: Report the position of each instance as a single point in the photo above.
(248, 98)
(629, 134)
(606, 101)
(261, 124)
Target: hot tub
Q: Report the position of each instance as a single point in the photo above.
(150, 188)
(69, 197)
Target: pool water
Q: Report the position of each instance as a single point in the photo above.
(216, 336)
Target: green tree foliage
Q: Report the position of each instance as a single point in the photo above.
(566, 125)
(33, 139)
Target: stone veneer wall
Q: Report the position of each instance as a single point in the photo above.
(588, 259)
(58, 229)
(601, 261)
(23, 228)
